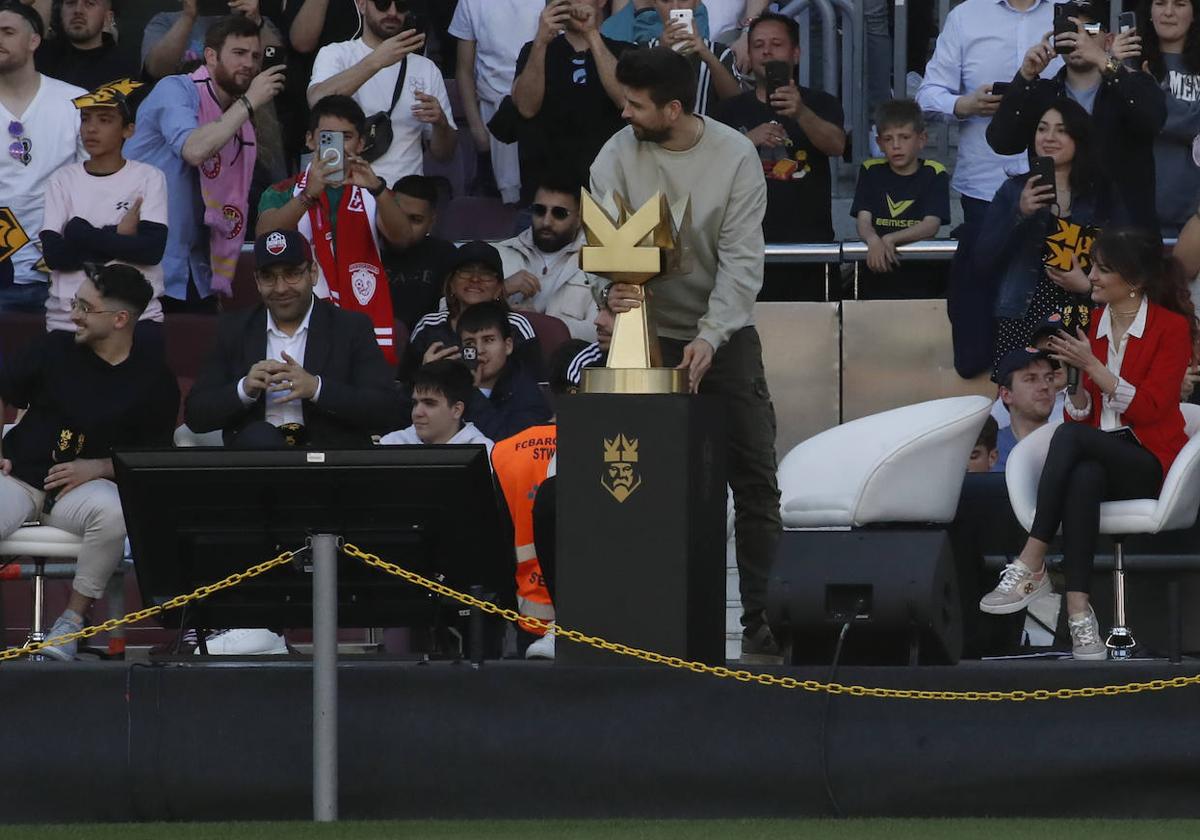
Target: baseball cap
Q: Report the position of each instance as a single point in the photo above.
(1019, 359)
(475, 252)
(110, 95)
(1093, 10)
(27, 12)
(281, 247)
(1050, 325)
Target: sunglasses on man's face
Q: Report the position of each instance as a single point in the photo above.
(384, 5)
(560, 213)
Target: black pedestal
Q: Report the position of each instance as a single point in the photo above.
(641, 525)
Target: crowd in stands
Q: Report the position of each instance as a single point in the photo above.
(336, 136)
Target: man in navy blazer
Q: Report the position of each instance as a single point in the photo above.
(296, 371)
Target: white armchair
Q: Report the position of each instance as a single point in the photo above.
(1174, 509)
(903, 465)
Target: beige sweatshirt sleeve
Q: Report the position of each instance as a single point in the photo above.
(740, 254)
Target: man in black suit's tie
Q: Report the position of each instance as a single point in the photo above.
(296, 370)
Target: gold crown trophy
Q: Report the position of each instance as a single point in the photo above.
(632, 247)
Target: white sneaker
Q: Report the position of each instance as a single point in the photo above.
(543, 648)
(1017, 589)
(245, 642)
(1085, 636)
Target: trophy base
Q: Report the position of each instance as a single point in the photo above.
(604, 380)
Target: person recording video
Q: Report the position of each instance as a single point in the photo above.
(1127, 108)
(1023, 244)
(1124, 425)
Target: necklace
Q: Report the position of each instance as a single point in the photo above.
(1129, 314)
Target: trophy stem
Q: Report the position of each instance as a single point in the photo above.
(634, 344)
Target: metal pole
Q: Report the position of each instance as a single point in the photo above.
(828, 46)
(858, 108)
(325, 714)
(900, 51)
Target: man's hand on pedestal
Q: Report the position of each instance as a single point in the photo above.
(697, 359)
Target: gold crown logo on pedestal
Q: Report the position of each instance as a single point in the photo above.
(633, 247)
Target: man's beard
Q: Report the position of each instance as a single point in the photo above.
(77, 35)
(227, 82)
(377, 29)
(651, 135)
(548, 242)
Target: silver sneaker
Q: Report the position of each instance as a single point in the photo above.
(1017, 589)
(1085, 636)
(66, 651)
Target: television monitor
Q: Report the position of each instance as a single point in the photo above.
(195, 516)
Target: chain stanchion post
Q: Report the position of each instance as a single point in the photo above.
(325, 658)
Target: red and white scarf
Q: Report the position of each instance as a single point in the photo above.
(350, 266)
(225, 187)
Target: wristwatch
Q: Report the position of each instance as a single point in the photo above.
(378, 189)
(1111, 68)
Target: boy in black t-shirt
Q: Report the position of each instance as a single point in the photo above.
(901, 198)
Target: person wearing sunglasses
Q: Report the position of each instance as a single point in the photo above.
(371, 68)
(40, 130)
(84, 393)
(541, 264)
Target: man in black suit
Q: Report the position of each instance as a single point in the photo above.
(297, 370)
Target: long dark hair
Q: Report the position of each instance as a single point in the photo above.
(1138, 257)
(1152, 47)
(1087, 177)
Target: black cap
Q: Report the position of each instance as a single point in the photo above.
(1019, 359)
(281, 247)
(475, 252)
(1050, 325)
(27, 12)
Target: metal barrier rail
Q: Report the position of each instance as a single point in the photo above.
(829, 50)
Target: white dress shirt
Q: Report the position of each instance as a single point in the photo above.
(278, 343)
(1111, 408)
(983, 41)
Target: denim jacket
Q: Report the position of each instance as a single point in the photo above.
(1008, 253)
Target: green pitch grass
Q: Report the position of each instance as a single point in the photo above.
(622, 830)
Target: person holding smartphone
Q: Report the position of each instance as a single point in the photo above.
(714, 62)
(1127, 106)
(1033, 214)
(566, 87)
(1125, 425)
(370, 67)
(171, 38)
(1171, 45)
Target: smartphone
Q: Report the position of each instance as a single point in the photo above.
(331, 148)
(415, 21)
(1000, 88)
(1125, 22)
(1062, 24)
(470, 358)
(1044, 168)
(778, 75)
(272, 57)
(684, 15)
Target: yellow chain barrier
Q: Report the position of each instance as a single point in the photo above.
(178, 601)
(723, 672)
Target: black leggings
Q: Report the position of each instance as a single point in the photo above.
(1085, 467)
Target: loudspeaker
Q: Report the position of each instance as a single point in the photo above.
(899, 586)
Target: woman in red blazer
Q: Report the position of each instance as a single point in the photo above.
(1124, 427)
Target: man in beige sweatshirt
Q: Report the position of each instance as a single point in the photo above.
(705, 309)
